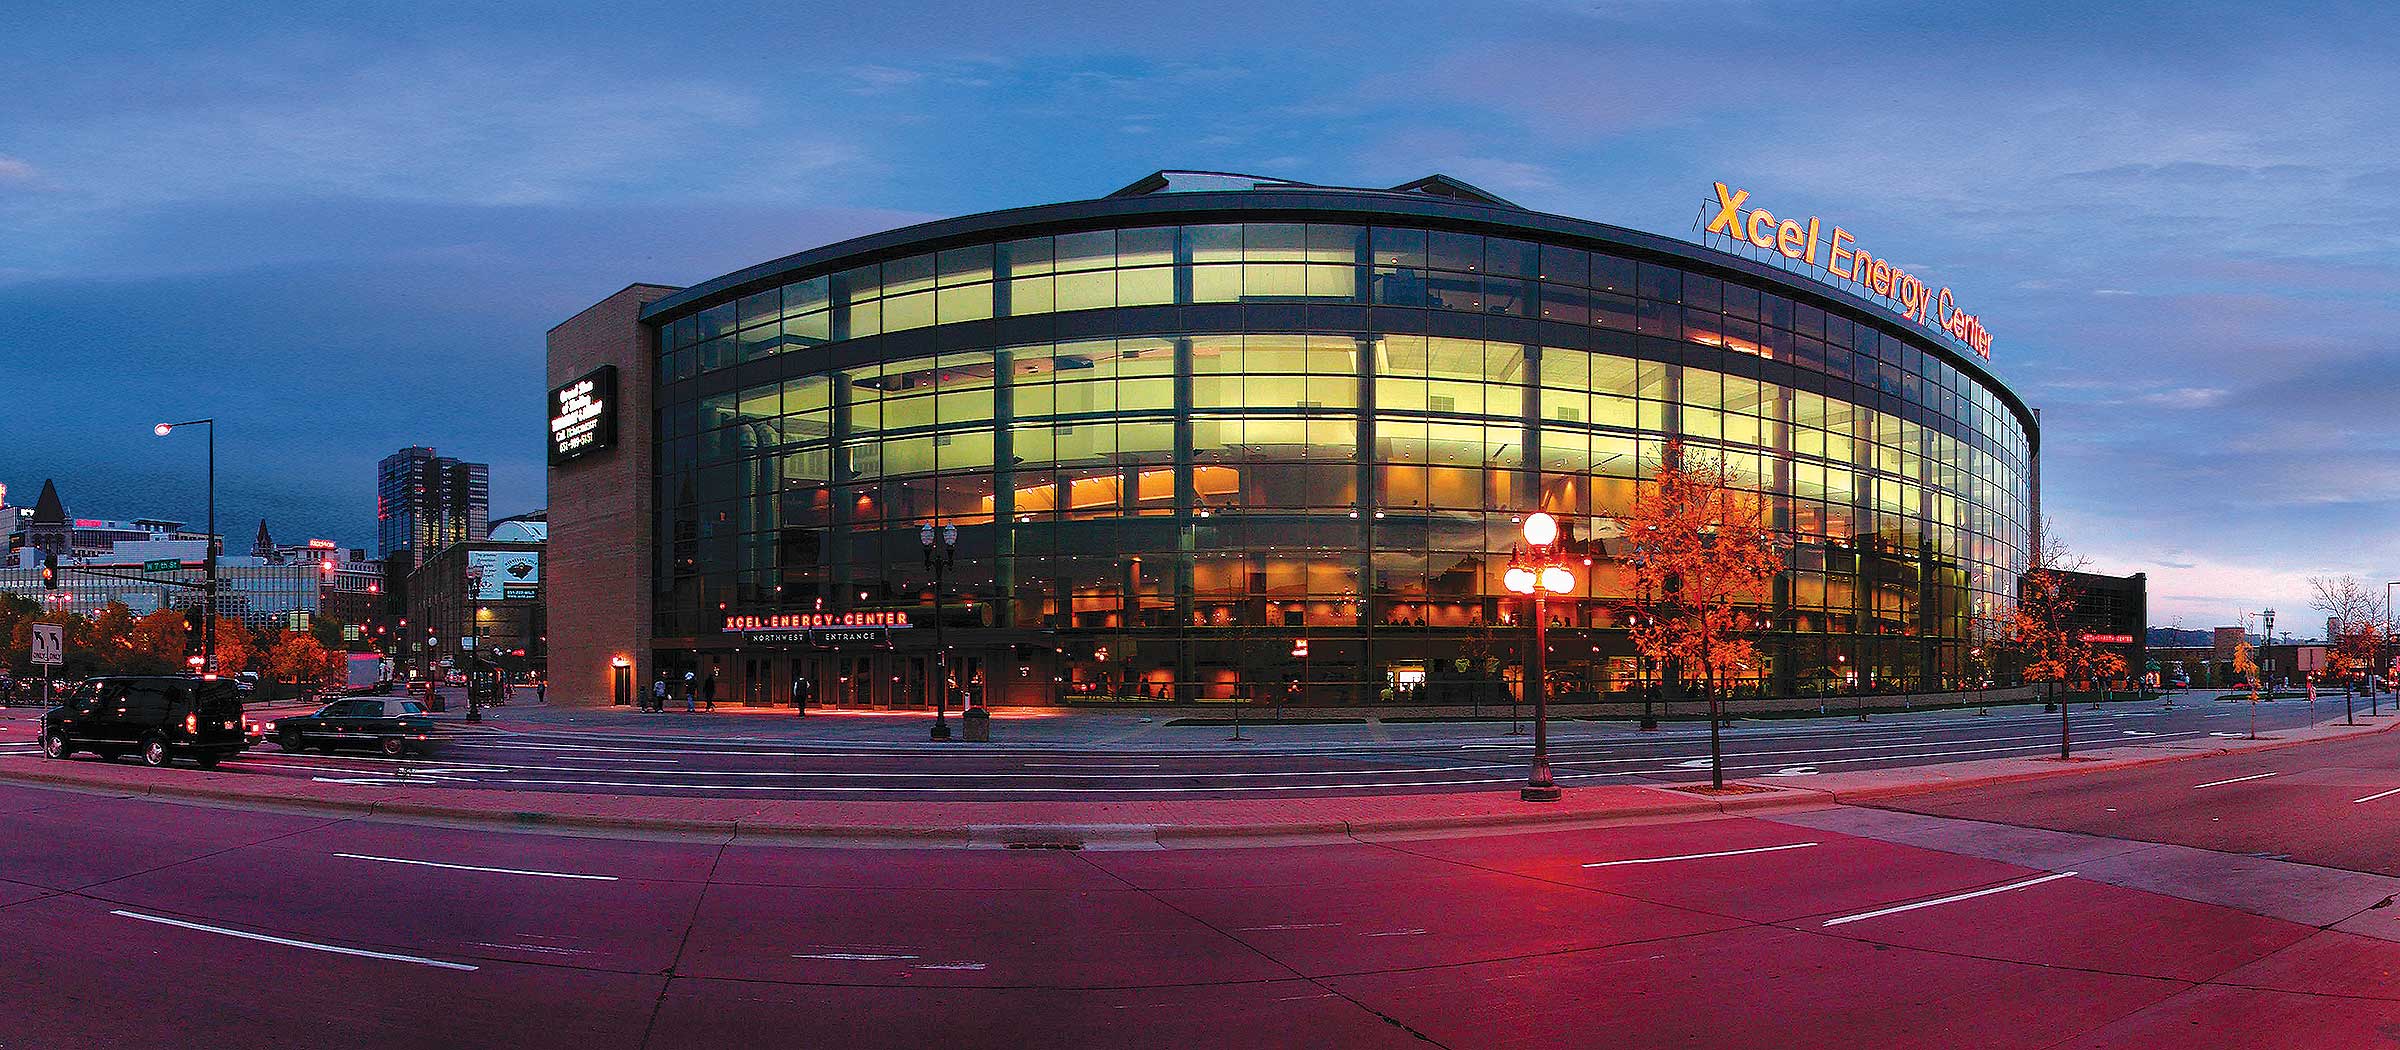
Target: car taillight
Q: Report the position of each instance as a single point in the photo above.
(191, 723)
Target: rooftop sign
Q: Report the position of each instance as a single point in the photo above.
(1801, 240)
(583, 415)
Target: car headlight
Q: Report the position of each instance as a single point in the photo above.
(269, 727)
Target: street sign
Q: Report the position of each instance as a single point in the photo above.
(49, 644)
(162, 565)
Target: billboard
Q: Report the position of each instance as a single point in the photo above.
(494, 576)
(583, 415)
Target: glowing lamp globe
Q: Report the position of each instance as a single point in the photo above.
(1541, 529)
(1519, 580)
(1557, 580)
(162, 428)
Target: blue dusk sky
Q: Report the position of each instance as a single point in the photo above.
(345, 229)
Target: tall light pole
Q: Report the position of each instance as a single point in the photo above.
(940, 554)
(1538, 570)
(208, 624)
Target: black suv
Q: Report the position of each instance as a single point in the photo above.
(390, 724)
(159, 717)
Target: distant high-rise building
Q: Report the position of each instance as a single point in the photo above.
(425, 502)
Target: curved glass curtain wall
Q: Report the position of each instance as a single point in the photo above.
(1192, 494)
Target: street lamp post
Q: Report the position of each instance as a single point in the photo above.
(1537, 570)
(940, 556)
(208, 623)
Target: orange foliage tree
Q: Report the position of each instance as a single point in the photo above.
(2043, 628)
(1706, 561)
(300, 659)
(2357, 615)
(236, 646)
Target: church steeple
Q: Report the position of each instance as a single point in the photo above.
(48, 529)
(48, 510)
(265, 547)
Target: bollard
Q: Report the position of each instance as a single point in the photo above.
(977, 724)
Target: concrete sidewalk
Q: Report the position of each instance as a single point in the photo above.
(1110, 824)
(1210, 730)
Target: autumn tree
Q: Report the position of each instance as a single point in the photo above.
(236, 646)
(158, 641)
(2356, 616)
(2044, 630)
(2245, 664)
(300, 659)
(1705, 560)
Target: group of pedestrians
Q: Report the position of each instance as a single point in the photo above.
(698, 693)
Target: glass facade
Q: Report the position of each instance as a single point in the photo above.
(1172, 450)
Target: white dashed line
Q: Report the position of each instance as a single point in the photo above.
(471, 867)
(289, 943)
(1952, 899)
(2235, 780)
(1700, 856)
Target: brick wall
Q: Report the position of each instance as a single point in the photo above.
(600, 516)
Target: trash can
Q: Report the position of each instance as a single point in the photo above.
(978, 724)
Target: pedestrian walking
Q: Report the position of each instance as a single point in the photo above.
(800, 694)
(708, 691)
(541, 690)
(658, 695)
(691, 692)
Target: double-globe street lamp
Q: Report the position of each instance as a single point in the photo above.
(1539, 569)
(208, 621)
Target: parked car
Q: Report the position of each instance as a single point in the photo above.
(159, 717)
(391, 724)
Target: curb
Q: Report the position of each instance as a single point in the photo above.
(1066, 835)
(1863, 796)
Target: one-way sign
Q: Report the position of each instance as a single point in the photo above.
(49, 644)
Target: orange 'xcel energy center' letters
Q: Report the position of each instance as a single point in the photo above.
(1798, 240)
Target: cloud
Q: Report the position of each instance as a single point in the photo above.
(14, 170)
(2186, 397)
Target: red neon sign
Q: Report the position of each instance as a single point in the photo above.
(806, 621)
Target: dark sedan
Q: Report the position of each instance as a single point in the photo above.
(390, 724)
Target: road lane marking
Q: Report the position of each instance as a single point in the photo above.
(1952, 899)
(1289, 926)
(855, 956)
(2377, 795)
(471, 867)
(290, 943)
(1700, 856)
(1092, 765)
(2235, 780)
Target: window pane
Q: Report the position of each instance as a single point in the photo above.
(1399, 247)
(1274, 242)
(1213, 244)
(912, 274)
(1085, 251)
(1565, 265)
(1029, 256)
(1461, 252)
(1146, 287)
(966, 265)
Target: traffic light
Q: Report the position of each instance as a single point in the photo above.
(195, 634)
(49, 571)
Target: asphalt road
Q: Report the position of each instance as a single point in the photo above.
(128, 924)
(1098, 757)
